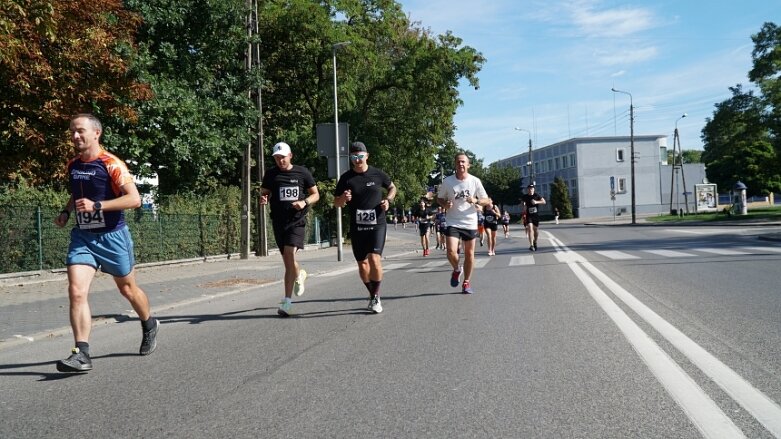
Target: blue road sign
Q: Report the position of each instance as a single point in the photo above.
(612, 183)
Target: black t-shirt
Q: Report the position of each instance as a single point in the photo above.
(490, 217)
(365, 210)
(286, 188)
(526, 199)
(424, 215)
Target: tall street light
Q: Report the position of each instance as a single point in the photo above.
(334, 48)
(631, 150)
(530, 162)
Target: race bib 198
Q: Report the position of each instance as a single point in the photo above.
(87, 220)
(288, 193)
(365, 216)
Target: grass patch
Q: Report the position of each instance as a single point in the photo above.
(761, 213)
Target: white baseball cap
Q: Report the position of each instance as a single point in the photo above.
(281, 148)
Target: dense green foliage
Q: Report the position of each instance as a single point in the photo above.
(183, 100)
(742, 141)
(560, 198)
(503, 184)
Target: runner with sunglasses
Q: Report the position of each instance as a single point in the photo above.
(361, 190)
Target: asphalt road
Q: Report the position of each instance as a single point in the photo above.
(604, 332)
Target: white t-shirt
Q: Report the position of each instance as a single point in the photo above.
(462, 215)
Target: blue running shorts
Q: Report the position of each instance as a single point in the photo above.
(111, 252)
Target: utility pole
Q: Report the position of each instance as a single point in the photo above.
(530, 162)
(631, 151)
(246, 171)
(260, 220)
(677, 164)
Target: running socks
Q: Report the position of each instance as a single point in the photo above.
(83, 346)
(374, 287)
(148, 324)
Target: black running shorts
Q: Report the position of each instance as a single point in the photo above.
(368, 241)
(463, 234)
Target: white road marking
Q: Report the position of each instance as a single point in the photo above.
(698, 406)
(759, 405)
(764, 409)
(480, 262)
(338, 272)
(764, 249)
(720, 251)
(670, 253)
(705, 231)
(395, 266)
(429, 266)
(615, 254)
(521, 260)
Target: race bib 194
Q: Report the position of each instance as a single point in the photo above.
(87, 220)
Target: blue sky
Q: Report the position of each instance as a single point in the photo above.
(551, 64)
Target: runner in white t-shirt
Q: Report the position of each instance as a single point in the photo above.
(458, 194)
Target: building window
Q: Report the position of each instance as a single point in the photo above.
(620, 154)
(572, 160)
(621, 186)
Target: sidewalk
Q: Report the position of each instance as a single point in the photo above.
(35, 305)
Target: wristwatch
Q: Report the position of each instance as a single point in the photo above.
(97, 206)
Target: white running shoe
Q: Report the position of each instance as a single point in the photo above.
(285, 308)
(298, 286)
(375, 305)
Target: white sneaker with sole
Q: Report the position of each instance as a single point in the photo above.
(285, 308)
(375, 305)
(298, 286)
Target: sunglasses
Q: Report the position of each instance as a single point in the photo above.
(357, 156)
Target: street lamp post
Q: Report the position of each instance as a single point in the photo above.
(339, 257)
(530, 162)
(631, 150)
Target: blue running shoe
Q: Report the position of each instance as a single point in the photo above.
(454, 278)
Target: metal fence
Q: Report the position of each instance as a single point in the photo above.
(33, 242)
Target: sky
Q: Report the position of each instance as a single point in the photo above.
(550, 66)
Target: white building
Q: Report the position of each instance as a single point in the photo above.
(589, 164)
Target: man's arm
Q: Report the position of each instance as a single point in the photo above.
(386, 202)
(130, 199)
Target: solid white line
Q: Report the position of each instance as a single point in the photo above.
(522, 260)
(698, 406)
(670, 253)
(759, 405)
(615, 254)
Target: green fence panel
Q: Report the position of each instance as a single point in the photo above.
(31, 241)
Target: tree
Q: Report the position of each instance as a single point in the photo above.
(560, 198)
(766, 73)
(59, 58)
(503, 184)
(194, 131)
(738, 147)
